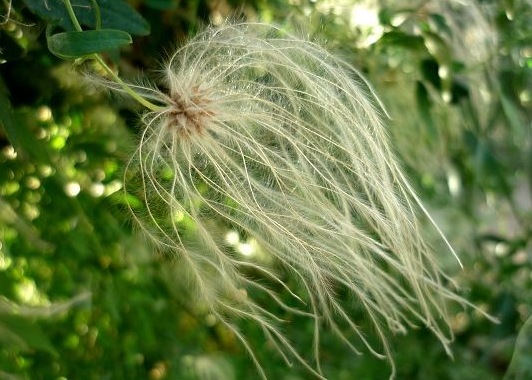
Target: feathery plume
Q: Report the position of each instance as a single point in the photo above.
(273, 136)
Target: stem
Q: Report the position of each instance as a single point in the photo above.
(146, 103)
(72, 15)
(97, 14)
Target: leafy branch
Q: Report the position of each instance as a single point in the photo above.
(88, 44)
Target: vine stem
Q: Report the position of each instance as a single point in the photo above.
(72, 15)
(146, 103)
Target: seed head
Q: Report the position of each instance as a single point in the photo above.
(189, 113)
(270, 135)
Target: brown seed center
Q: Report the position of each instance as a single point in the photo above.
(190, 115)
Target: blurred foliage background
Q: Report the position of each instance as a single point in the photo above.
(82, 296)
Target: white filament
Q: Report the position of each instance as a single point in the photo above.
(272, 136)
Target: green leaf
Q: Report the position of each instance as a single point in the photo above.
(17, 131)
(424, 105)
(71, 45)
(440, 24)
(513, 115)
(520, 367)
(7, 121)
(400, 39)
(115, 14)
(440, 50)
(161, 4)
(489, 169)
(24, 333)
(437, 47)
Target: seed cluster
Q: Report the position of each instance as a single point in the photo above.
(191, 114)
(293, 154)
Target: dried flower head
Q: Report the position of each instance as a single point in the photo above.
(272, 136)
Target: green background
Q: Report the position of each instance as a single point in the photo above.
(83, 296)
